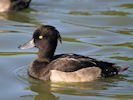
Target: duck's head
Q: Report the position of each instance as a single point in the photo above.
(45, 38)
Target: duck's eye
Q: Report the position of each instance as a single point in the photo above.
(40, 37)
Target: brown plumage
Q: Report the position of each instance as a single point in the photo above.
(13, 5)
(64, 67)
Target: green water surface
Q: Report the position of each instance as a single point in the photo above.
(102, 29)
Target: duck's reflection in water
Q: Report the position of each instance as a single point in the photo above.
(43, 90)
(48, 90)
(22, 17)
(52, 91)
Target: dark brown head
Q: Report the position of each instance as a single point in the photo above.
(45, 38)
(46, 35)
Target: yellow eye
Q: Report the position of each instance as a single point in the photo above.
(40, 37)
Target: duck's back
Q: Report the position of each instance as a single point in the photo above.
(74, 62)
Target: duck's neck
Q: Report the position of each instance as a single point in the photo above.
(46, 53)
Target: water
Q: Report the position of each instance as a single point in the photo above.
(102, 29)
